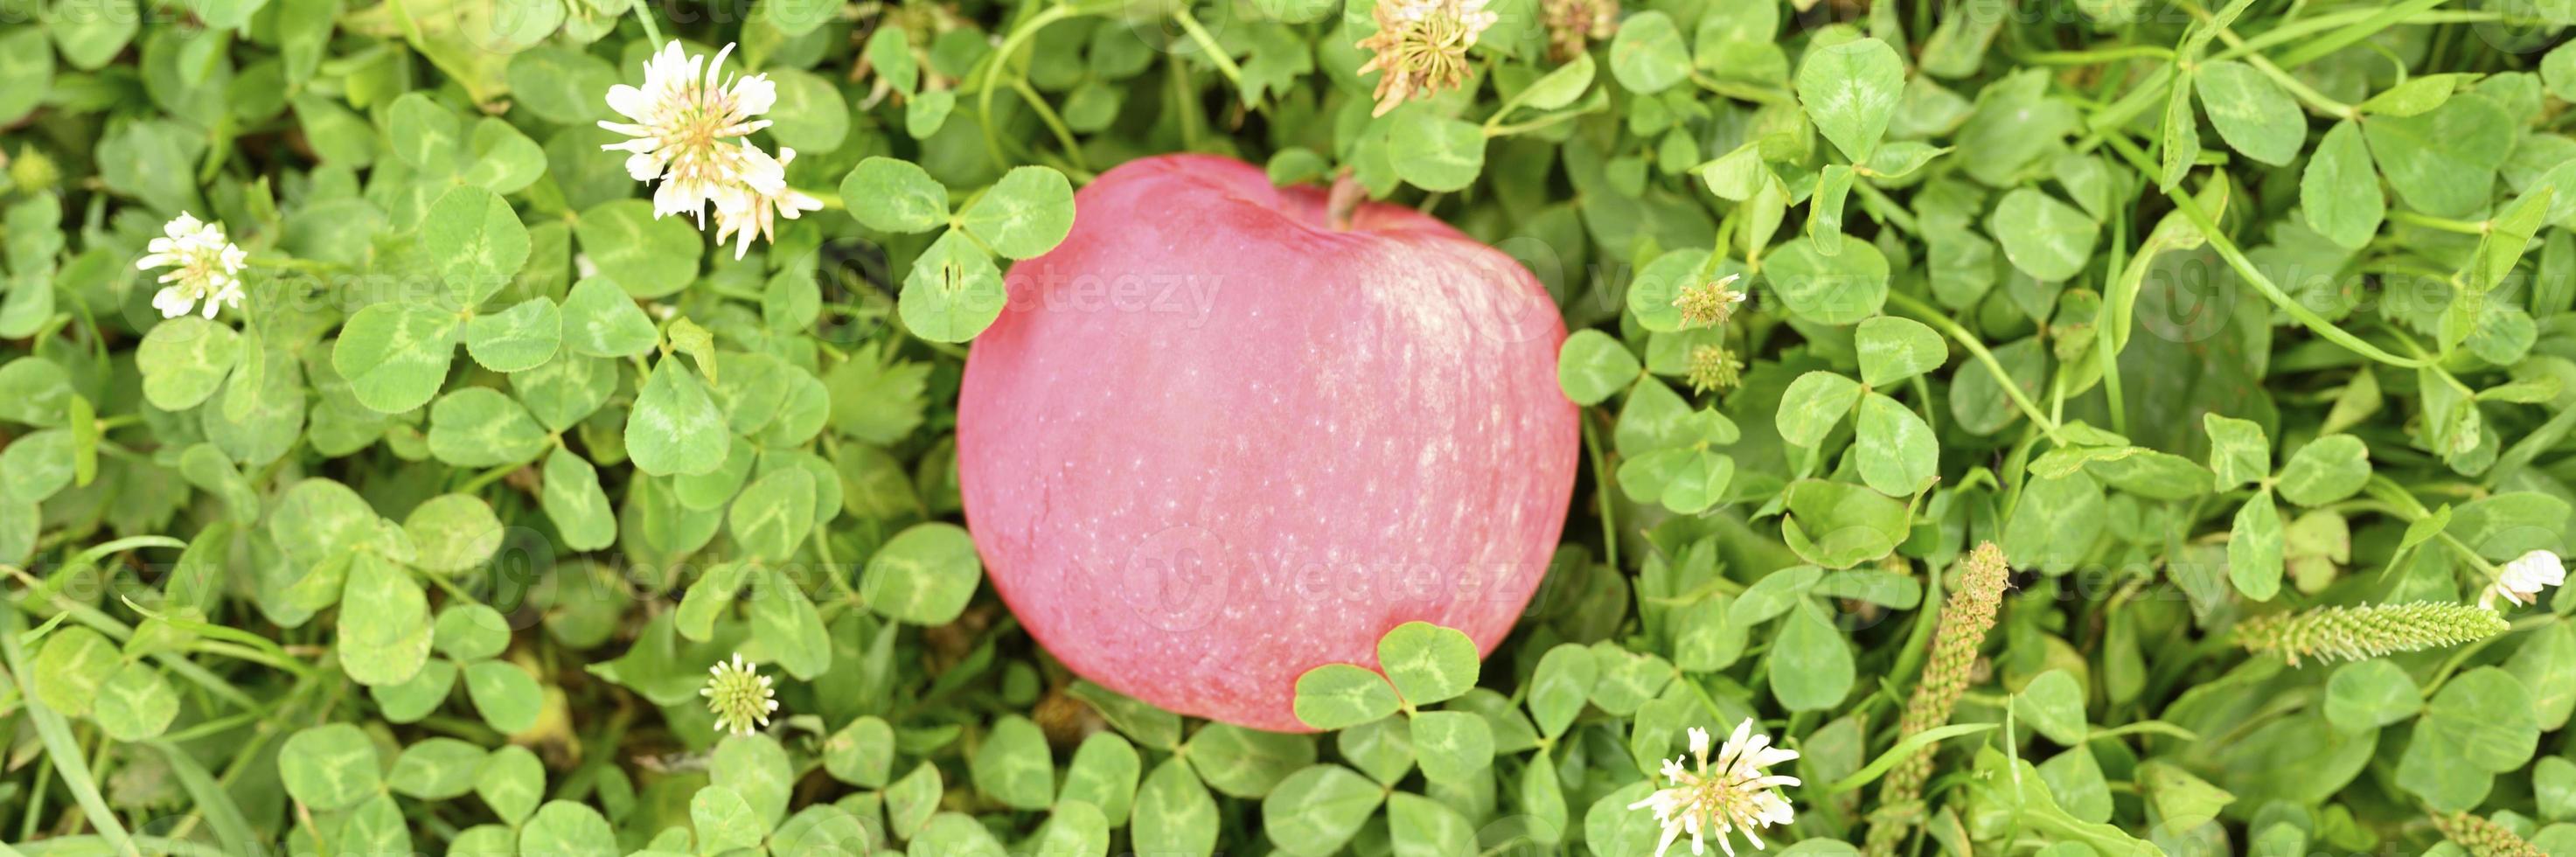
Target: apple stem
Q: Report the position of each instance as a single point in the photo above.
(1344, 199)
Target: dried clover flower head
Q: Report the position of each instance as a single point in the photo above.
(740, 696)
(1712, 367)
(1709, 304)
(1573, 24)
(1420, 46)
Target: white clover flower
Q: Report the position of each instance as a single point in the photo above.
(1735, 795)
(2521, 580)
(756, 211)
(687, 118)
(1410, 11)
(1709, 304)
(206, 267)
(739, 695)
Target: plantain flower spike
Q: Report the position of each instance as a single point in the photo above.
(1965, 618)
(2367, 631)
(2481, 837)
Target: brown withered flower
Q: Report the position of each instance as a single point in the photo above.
(1573, 25)
(1420, 47)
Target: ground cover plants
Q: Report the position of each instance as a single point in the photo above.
(2068, 427)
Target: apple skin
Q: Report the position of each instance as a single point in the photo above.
(1213, 442)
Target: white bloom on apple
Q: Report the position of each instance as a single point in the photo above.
(688, 119)
(1736, 794)
(756, 212)
(2522, 580)
(206, 267)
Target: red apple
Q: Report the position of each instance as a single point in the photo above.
(1214, 441)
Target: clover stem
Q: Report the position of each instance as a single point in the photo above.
(487, 477)
(832, 574)
(1493, 130)
(1182, 95)
(2106, 344)
(2461, 657)
(2470, 554)
(2306, 94)
(2314, 99)
(2003, 377)
(1046, 113)
(652, 31)
(1343, 201)
(1215, 53)
(2096, 56)
(450, 587)
(2445, 224)
(1601, 491)
(1001, 56)
(294, 264)
(2524, 451)
(1756, 94)
(2246, 271)
(2355, 26)
(1886, 209)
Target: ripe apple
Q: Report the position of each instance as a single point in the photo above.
(1215, 441)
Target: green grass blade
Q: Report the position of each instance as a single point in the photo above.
(212, 801)
(60, 748)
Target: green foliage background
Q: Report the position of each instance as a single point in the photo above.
(2202, 314)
